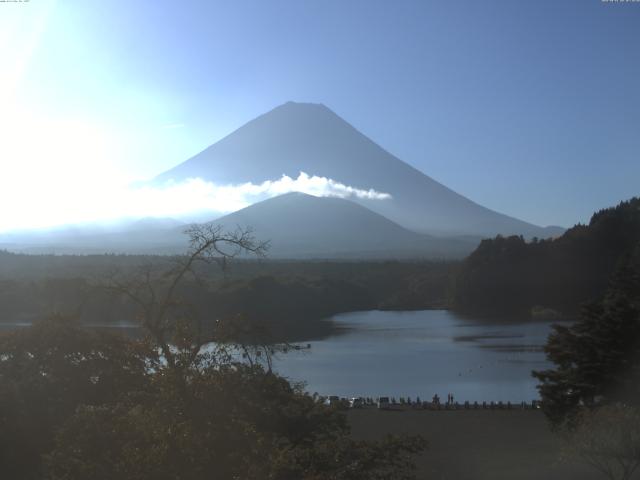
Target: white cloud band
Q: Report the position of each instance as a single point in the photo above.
(196, 194)
(95, 203)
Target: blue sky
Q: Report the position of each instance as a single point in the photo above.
(531, 108)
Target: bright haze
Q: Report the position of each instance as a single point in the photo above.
(530, 109)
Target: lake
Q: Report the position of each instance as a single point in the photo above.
(420, 353)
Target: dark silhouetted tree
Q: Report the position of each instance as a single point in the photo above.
(597, 359)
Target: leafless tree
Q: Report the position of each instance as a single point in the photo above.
(155, 289)
(254, 341)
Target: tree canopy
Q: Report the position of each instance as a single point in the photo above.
(597, 359)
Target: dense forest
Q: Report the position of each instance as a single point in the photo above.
(290, 299)
(511, 275)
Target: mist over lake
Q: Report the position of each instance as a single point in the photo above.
(421, 353)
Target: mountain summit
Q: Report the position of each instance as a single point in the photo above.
(310, 138)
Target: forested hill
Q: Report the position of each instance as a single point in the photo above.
(508, 274)
(289, 299)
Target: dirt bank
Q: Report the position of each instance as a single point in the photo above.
(476, 444)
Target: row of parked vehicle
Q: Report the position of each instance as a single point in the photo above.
(386, 403)
(357, 402)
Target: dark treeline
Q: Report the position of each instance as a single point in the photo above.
(515, 276)
(290, 299)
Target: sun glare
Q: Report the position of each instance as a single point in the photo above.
(54, 170)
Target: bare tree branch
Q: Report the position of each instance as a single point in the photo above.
(172, 322)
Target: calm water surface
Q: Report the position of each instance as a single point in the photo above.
(422, 353)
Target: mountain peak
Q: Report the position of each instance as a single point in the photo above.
(301, 111)
(309, 137)
(296, 194)
(303, 105)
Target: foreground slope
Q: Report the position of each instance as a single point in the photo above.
(297, 137)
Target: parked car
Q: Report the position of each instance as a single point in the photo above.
(384, 403)
(333, 400)
(356, 402)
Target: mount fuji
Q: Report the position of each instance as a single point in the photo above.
(310, 138)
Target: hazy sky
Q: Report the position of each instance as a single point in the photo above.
(531, 108)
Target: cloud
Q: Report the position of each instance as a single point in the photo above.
(196, 194)
(86, 201)
(320, 187)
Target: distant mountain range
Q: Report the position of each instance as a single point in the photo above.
(310, 138)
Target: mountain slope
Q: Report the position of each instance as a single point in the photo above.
(297, 137)
(509, 274)
(302, 226)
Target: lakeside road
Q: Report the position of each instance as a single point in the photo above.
(475, 444)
